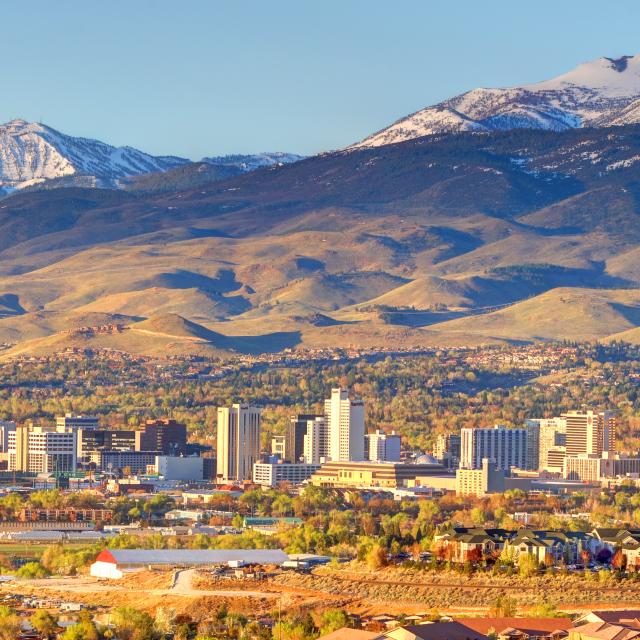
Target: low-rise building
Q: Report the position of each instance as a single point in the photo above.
(269, 474)
(345, 474)
(480, 482)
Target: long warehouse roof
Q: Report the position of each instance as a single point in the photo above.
(191, 556)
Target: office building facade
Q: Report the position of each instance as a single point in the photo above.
(382, 447)
(238, 442)
(345, 426)
(505, 447)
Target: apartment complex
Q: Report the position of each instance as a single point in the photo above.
(238, 442)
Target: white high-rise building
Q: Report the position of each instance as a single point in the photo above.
(238, 442)
(42, 449)
(505, 447)
(345, 426)
(383, 447)
(313, 440)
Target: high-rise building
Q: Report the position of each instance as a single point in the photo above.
(506, 448)
(72, 421)
(447, 450)
(238, 441)
(164, 435)
(589, 432)
(382, 447)
(42, 449)
(6, 427)
(294, 435)
(551, 436)
(314, 438)
(345, 426)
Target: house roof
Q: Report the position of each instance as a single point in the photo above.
(478, 628)
(350, 634)
(191, 556)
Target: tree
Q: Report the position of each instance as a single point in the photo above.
(32, 571)
(84, 630)
(527, 565)
(377, 557)
(132, 624)
(503, 607)
(10, 624)
(619, 560)
(44, 623)
(334, 619)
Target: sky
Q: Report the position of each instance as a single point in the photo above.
(199, 78)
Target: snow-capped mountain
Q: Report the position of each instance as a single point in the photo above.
(605, 92)
(31, 153)
(255, 161)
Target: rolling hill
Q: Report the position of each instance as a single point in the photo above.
(460, 238)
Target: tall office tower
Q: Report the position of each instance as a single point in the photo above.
(447, 450)
(42, 449)
(505, 447)
(238, 442)
(72, 421)
(532, 428)
(589, 432)
(164, 435)
(345, 426)
(5, 428)
(314, 439)
(294, 434)
(382, 447)
(551, 441)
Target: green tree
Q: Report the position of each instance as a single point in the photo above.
(132, 624)
(32, 571)
(10, 624)
(44, 623)
(334, 619)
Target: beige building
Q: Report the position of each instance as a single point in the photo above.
(593, 468)
(42, 449)
(238, 442)
(589, 432)
(389, 475)
(479, 482)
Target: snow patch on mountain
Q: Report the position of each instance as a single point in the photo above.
(604, 92)
(251, 162)
(31, 152)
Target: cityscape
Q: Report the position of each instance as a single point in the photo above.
(320, 320)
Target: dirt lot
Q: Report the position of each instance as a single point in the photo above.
(392, 590)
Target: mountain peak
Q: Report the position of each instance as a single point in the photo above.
(614, 77)
(599, 93)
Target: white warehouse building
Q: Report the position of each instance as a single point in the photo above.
(113, 563)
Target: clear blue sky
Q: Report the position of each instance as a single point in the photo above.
(207, 77)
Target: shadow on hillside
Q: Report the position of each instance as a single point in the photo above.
(266, 343)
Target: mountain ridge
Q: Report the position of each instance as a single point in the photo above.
(601, 93)
(34, 155)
